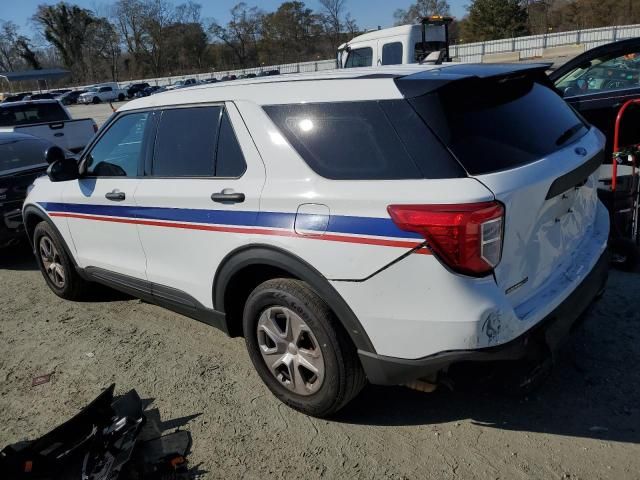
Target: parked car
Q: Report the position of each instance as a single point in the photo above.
(211, 80)
(18, 97)
(71, 98)
(47, 119)
(227, 78)
(108, 92)
(134, 88)
(41, 96)
(152, 90)
(598, 82)
(189, 82)
(352, 226)
(22, 160)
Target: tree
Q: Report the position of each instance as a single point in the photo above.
(333, 12)
(241, 32)
(67, 28)
(290, 33)
(495, 19)
(419, 10)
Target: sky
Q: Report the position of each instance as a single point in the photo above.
(367, 13)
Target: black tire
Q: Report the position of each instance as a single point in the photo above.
(95, 100)
(73, 286)
(343, 374)
(121, 97)
(624, 254)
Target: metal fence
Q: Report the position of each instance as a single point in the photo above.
(535, 45)
(284, 68)
(529, 47)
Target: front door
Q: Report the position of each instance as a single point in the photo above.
(100, 206)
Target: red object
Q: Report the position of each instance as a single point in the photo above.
(616, 142)
(28, 466)
(454, 232)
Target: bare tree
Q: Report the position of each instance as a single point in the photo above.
(241, 33)
(333, 12)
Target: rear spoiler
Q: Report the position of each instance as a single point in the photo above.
(421, 83)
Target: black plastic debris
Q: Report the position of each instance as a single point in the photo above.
(102, 442)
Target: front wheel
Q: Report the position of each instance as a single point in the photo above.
(55, 265)
(95, 100)
(299, 349)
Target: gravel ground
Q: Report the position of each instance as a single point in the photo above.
(583, 423)
(100, 112)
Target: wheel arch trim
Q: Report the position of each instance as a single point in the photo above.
(263, 254)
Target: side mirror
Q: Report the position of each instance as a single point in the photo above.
(53, 154)
(63, 170)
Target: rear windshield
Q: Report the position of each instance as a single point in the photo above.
(18, 153)
(14, 115)
(373, 140)
(493, 125)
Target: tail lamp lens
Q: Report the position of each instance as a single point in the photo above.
(466, 237)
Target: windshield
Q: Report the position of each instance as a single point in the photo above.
(604, 73)
(19, 153)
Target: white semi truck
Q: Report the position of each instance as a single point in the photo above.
(426, 41)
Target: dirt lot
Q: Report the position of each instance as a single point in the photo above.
(584, 422)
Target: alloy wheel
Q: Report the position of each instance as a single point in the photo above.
(290, 350)
(51, 262)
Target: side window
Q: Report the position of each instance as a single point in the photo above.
(229, 158)
(602, 74)
(392, 53)
(360, 57)
(105, 89)
(186, 142)
(345, 141)
(117, 153)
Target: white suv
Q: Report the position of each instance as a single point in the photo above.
(370, 224)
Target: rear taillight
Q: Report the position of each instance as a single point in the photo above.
(466, 237)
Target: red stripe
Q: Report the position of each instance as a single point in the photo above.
(256, 231)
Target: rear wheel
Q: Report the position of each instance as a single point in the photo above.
(121, 97)
(299, 349)
(55, 265)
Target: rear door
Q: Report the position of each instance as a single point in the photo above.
(201, 191)
(517, 137)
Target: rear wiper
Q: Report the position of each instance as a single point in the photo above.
(562, 139)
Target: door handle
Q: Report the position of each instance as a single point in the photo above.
(115, 196)
(227, 196)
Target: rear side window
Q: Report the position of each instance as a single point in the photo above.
(229, 159)
(493, 125)
(357, 140)
(392, 53)
(360, 57)
(11, 115)
(186, 142)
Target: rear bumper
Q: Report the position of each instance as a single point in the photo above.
(548, 334)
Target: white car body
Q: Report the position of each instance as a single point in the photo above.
(409, 306)
(104, 92)
(70, 134)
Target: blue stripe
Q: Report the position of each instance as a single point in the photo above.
(381, 227)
